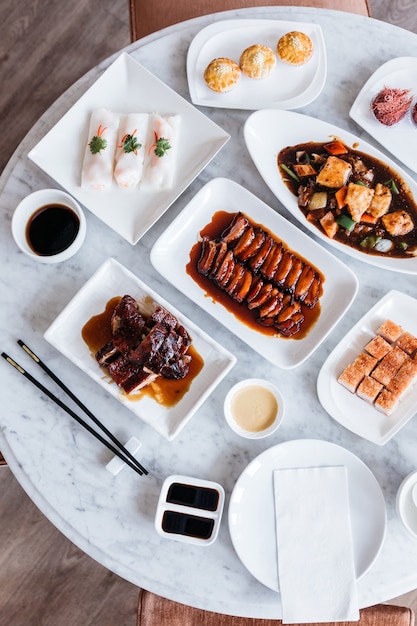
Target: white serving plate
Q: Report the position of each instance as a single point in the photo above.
(347, 408)
(170, 255)
(399, 73)
(269, 131)
(127, 87)
(288, 87)
(252, 506)
(110, 280)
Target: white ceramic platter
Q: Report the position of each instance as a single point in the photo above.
(252, 506)
(171, 251)
(288, 87)
(127, 87)
(110, 280)
(348, 409)
(400, 73)
(269, 131)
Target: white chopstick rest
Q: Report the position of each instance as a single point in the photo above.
(115, 465)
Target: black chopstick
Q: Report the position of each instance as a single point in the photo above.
(81, 405)
(70, 412)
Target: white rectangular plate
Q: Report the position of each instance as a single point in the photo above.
(269, 131)
(288, 87)
(170, 256)
(110, 280)
(127, 87)
(346, 408)
(400, 73)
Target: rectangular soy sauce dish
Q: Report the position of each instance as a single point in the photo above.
(189, 509)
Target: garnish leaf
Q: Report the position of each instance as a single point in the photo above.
(97, 144)
(162, 145)
(131, 144)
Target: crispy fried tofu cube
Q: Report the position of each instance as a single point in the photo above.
(381, 201)
(304, 169)
(335, 173)
(358, 200)
(329, 224)
(398, 223)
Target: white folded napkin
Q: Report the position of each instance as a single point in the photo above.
(314, 543)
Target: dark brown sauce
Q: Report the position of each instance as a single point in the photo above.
(219, 222)
(403, 245)
(52, 229)
(97, 332)
(185, 524)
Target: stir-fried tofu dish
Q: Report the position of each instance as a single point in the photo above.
(352, 197)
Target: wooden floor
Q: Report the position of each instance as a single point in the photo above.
(46, 45)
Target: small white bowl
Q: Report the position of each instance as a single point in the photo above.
(232, 397)
(29, 206)
(406, 507)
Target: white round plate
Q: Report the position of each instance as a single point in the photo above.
(252, 509)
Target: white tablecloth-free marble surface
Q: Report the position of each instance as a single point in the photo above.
(63, 469)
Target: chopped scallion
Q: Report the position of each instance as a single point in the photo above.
(391, 184)
(290, 172)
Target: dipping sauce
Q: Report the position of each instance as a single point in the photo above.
(190, 495)
(190, 525)
(52, 229)
(254, 408)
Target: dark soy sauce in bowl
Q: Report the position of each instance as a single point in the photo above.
(52, 229)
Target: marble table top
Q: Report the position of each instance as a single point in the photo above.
(63, 469)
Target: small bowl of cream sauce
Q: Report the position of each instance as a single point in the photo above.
(254, 408)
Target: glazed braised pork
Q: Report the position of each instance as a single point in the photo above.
(257, 269)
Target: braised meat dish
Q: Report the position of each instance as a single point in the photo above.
(258, 271)
(144, 348)
(352, 197)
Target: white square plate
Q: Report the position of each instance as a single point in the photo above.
(400, 73)
(288, 87)
(347, 408)
(170, 256)
(110, 280)
(127, 87)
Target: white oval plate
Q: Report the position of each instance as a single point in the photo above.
(171, 253)
(252, 506)
(288, 87)
(347, 408)
(400, 139)
(269, 131)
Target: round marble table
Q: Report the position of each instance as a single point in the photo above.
(63, 469)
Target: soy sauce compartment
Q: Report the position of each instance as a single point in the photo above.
(190, 525)
(190, 495)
